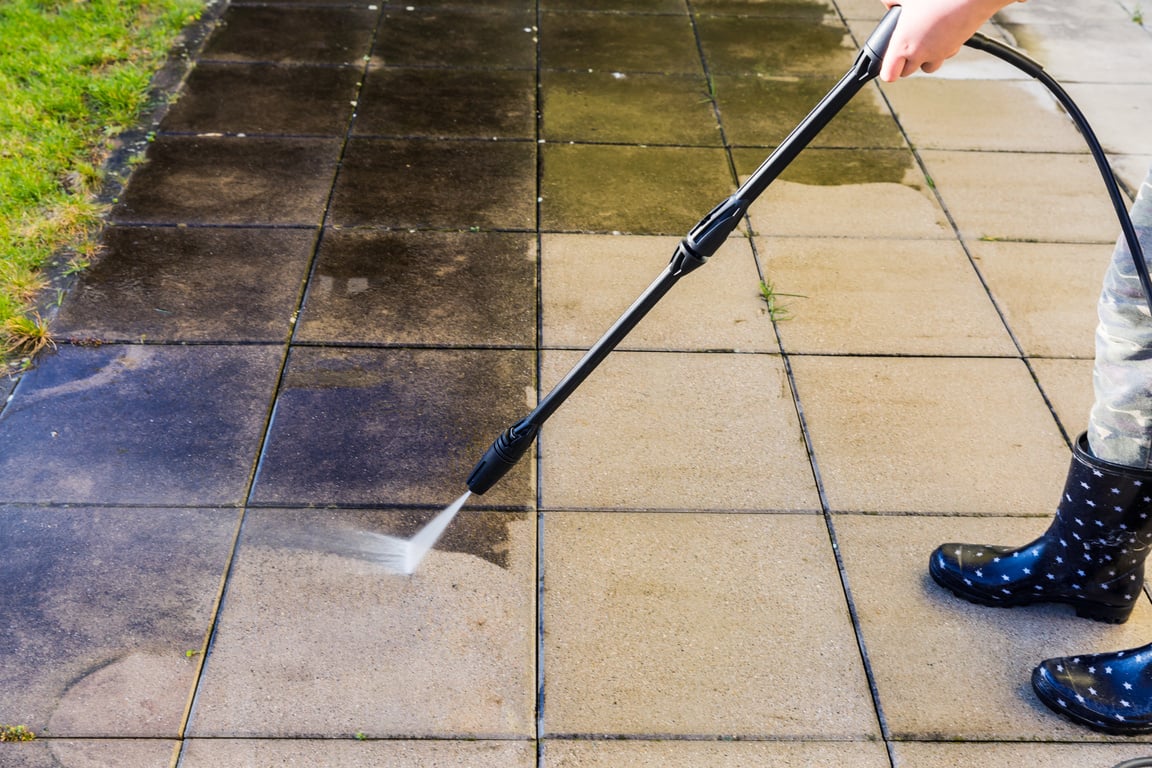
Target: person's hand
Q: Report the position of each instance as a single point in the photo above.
(930, 31)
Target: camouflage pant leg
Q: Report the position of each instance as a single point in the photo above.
(1120, 426)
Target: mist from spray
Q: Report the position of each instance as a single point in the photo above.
(405, 555)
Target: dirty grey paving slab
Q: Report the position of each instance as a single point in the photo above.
(90, 753)
(464, 37)
(231, 180)
(876, 296)
(605, 42)
(440, 184)
(305, 753)
(447, 103)
(1068, 386)
(393, 426)
(630, 189)
(804, 9)
(834, 193)
(630, 6)
(122, 425)
(690, 754)
(588, 281)
(1047, 292)
(261, 99)
(940, 435)
(292, 35)
(656, 430)
(698, 625)
(817, 44)
(400, 287)
(101, 607)
(910, 754)
(448, 652)
(628, 108)
(763, 111)
(190, 284)
(946, 113)
(1023, 196)
(949, 670)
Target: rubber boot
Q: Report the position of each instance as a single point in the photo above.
(1091, 557)
(1110, 692)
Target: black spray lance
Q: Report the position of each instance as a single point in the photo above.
(705, 239)
(694, 250)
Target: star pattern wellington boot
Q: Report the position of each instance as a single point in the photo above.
(1110, 692)
(1091, 557)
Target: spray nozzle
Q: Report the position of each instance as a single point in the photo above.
(502, 455)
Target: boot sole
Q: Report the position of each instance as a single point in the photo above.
(1050, 700)
(1108, 614)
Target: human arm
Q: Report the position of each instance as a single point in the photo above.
(930, 31)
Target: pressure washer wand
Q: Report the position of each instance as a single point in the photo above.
(693, 251)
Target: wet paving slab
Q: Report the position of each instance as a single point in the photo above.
(393, 426)
(467, 37)
(97, 641)
(231, 180)
(442, 288)
(175, 284)
(603, 42)
(289, 35)
(118, 424)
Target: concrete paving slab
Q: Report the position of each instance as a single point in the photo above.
(118, 425)
(1068, 386)
(947, 113)
(1131, 170)
(318, 641)
(1119, 114)
(631, 108)
(463, 36)
(835, 193)
(446, 103)
(969, 436)
(589, 281)
(651, 430)
(1047, 292)
(928, 755)
(610, 42)
(947, 670)
(97, 640)
(91, 753)
(815, 43)
(630, 189)
(1037, 197)
(701, 625)
(300, 753)
(1109, 50)
(231, 180)
(331, 36)
(259, 99)
(563, 753)
(899, 297)
(385, 183)
(393, 426)
(443, 288)
(181, 284)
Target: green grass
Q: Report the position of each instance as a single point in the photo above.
(73, 75)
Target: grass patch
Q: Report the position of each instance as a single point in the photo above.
(73, 75)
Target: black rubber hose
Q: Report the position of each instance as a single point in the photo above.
(1140, 762)
(1033, 68)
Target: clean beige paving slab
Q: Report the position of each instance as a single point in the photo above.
(318, 639)
(930, 434)
(589, 281)
(1023, 196)
(1118, 113)
(1131, 170)
(698, 625)
(1107, 50)
(1027, 755)
(858, 296)
(1047, 292)
(89, 753)
(948, 670)
(656, 430)
(1068, 386)
(559, 753)
(846, 193)
(351, 753)
(947, 113)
